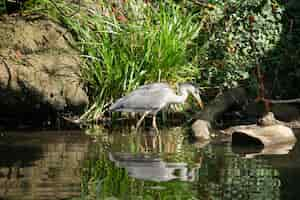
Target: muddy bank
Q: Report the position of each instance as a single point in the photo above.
(39, 71)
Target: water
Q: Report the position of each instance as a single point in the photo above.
(122, 165)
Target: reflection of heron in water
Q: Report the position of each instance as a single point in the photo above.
(151, 98)
(153, 168)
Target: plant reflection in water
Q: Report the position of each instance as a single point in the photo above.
(123, 165)
(167, 166)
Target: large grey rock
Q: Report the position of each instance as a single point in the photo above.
(39, 71)
(201, 129)
(267, 135)
(262, 140)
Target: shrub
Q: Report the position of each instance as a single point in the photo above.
(235, 36)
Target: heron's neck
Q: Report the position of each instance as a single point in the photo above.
(181, 97)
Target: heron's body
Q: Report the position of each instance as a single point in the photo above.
(151, 98)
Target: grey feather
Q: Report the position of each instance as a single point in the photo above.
(151, 98)
(146, 98)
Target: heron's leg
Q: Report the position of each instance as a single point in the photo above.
(154, 122)
(142, 118)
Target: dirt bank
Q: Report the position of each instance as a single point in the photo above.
(39, 71)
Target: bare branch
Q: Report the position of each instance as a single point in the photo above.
(297, 100)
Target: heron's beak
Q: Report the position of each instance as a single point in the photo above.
(199, 100)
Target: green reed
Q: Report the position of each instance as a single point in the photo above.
(137, 44)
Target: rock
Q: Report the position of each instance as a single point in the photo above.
(263, 135)
(201, 129)
(268, 120)
(200, 143)
(39, 71)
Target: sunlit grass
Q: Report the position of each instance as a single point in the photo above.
(137, 44)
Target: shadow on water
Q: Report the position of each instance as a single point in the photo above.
(129, 165)
(43, 165)
(19, 155)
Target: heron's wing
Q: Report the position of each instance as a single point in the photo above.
(153, 86)
(143, 100)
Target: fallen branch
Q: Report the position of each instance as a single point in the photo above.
(297, 100)
(206, 118)
(222, 102)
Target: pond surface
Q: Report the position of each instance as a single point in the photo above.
(121, 165)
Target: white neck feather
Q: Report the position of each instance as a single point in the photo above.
(183, 94)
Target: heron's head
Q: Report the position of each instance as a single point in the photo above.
(193, 90)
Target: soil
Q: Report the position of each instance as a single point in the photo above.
(39, 71)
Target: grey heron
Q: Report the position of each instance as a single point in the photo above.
(151, 98)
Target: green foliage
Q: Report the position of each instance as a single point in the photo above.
(130, 43)
(236, 35)
(282, 63)
(2, 6)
